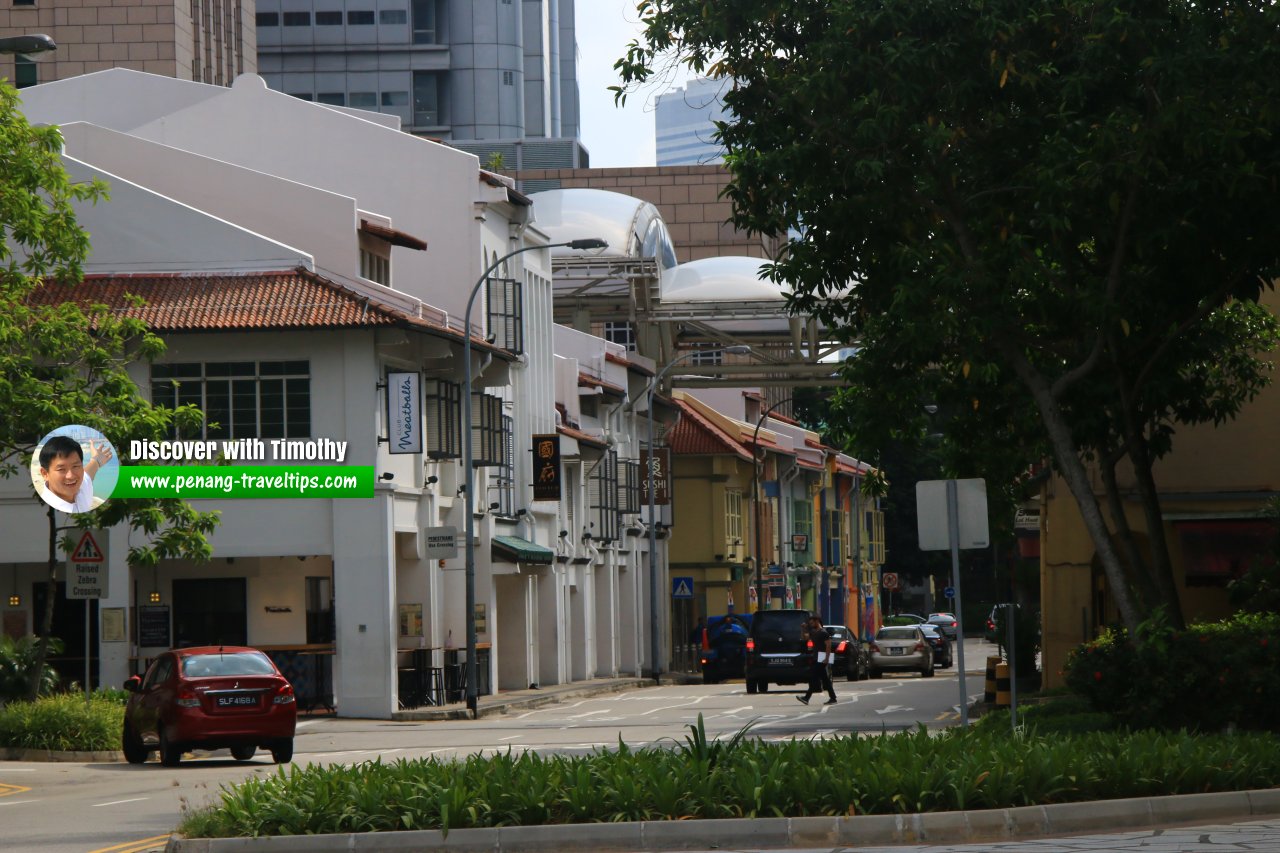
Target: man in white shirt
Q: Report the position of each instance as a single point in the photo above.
(68, 481)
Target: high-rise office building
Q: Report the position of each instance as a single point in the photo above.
(209, 41)
(489, 76)
(685, 124)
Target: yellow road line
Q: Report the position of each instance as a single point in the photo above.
(135, 846)
(6, 790)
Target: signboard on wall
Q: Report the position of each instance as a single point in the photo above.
(404, 412)
(546, 467)
(153, 625)
(87, 566)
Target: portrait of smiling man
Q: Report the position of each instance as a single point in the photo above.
(68, 478)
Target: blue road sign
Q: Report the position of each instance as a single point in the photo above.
(682, 587)
(949, 592)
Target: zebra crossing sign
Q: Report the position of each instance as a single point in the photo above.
(682, 587)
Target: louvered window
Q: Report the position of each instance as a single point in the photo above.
(442, 413)
(502, 490)
(602, 498)
(486, 430)
(632, 485)
(506, 328)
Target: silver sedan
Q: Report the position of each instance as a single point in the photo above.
(898, 647)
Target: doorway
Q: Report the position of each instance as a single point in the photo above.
(210, 612)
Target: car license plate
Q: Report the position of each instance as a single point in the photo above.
(895, 651)
(237, 701)
(780, 662)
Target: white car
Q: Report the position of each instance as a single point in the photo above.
(898, 647)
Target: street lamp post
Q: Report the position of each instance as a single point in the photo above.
(34, 43)
(468, 456)
(654, 645)
(757, 462)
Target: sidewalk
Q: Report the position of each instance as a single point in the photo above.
(523, 700)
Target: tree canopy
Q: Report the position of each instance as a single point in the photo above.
(67, 363)
(1056, 217)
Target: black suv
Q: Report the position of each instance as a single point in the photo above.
(777, 651)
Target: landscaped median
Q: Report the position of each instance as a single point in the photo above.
(846, 786)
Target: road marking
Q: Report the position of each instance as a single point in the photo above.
(134, 846)
(587, 714)
(17, 802)
(670, 707)
(120, 802)
(556, 707)
(306, 723)
(889, 709)
(509, 737)
(7, 790)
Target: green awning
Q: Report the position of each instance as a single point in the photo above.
(515, 549)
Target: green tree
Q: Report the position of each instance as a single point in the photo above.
(1057, 217)
(64, 361)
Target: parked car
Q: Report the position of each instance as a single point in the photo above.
(851, 659)
(945, 622)
(904, 619)
(941, 645)
(209, 697)
(777, 650)
(724, 647)
(898, 647)
(995, 632)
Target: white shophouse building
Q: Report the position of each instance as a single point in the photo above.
(293, 254)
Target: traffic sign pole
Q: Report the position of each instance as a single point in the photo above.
(953, 534)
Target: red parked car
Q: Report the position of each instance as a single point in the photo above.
(209, 697)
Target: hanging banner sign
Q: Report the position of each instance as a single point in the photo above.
(546, 467)
(404, 412)
(656, 466)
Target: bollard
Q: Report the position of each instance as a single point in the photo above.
(989, 688)
(1003, 697)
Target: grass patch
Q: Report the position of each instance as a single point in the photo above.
(891, 774)
(63, 723)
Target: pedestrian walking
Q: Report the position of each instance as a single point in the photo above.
(819, 672)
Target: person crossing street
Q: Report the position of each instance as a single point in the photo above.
(819, 672)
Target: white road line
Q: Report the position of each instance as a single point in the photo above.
(120, 802)
(16, 802)
(553, 708)
(306, 723)
(587, 714)
(19, 770)
(670, 707)
(509, 737)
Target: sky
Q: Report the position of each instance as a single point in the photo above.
(615, 137)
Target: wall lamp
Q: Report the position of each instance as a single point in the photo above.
(432, 480)
(387, 476)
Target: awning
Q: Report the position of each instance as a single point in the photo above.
(515, 549)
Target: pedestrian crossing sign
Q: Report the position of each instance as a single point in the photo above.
(87, 551)
(682, 587)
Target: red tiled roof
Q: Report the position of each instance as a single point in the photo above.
(630, 365)
(255, 301)
(695, 434)
(608, 387)
(581, 436)
(393, 236)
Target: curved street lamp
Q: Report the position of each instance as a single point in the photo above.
(655, 647)
(468, 455)
(758, 462)
(34, 43)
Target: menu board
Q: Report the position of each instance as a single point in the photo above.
(153, 626)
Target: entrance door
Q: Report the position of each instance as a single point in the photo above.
(68, 626)
(210, 612)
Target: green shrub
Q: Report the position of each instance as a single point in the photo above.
(18, 662)
(62, 722)
(890, 774)
(1066, 715)
(1203, 678)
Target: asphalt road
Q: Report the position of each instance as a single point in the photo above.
(121, 808)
